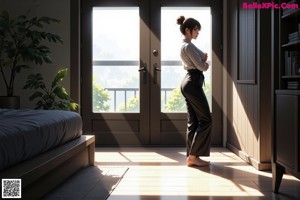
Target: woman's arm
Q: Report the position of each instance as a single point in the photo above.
(197, 57)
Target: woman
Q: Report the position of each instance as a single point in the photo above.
(199, 119)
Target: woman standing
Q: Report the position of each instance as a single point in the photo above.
(199, 118)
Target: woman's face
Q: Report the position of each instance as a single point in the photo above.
(195, 32)
(192, 34)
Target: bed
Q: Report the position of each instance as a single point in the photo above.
(42, 148)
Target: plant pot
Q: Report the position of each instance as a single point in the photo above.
(10, 102)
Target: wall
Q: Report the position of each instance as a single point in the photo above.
(249, 84)
(60, 52)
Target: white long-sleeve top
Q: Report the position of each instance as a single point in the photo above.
(192, 57)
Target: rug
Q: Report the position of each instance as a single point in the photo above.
(93, 182)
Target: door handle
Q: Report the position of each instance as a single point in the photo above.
(144, 69)
(155, 52)
(156, 69)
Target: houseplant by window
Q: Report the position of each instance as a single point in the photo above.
(22, 42)
(54, 97)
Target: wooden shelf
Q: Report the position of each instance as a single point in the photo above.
(291, 14)
(291, 77)
(290, 44)
(290, 92)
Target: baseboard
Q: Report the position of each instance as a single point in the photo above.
(266, 166)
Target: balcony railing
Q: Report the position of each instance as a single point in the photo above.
(120, 96)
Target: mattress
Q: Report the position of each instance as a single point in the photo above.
(27, 133)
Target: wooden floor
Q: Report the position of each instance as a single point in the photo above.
(161, 173)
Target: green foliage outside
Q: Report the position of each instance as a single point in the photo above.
(100, 98)
(176, 102)
(132, 105)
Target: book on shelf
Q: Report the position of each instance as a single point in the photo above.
(292, 63)
(289, 10)
(292, 37)
(293, 85)
(296, 33)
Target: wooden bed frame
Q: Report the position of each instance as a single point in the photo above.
(44, 172)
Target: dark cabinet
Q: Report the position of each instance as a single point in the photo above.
(286, 147)
(287, 129)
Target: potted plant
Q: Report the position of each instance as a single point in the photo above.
(21, 43)
(54, 97)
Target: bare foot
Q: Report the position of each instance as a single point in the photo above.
(196, 161)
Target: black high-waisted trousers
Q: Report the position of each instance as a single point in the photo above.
(199, 122)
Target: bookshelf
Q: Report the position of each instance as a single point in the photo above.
(286, 100)
(290, 43)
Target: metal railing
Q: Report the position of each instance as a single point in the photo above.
(125, 94)
(115, 91)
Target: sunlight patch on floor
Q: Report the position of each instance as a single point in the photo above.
(181, 180)
(147, 157)
(104, 157)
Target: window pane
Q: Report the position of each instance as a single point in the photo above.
(115, 59)
(171, 39)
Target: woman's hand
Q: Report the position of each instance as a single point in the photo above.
(206, 67)
(205, 57)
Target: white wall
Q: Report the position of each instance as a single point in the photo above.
(59, 9)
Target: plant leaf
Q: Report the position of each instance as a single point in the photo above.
(61, 93)
(34, 81)
(35, 95)
(59, 77)
(73, 106)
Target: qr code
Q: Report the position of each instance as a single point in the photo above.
(11, 188)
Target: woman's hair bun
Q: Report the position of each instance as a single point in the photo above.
(180, 20)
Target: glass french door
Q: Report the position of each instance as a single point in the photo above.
(131, 70)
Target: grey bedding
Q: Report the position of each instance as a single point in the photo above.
(27, 133)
